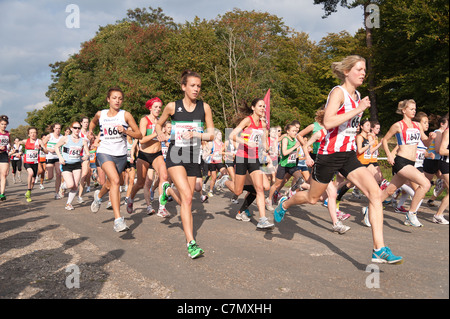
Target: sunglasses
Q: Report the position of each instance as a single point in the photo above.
(76, 127)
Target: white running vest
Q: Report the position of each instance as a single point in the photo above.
(112, 142)
(52, 143)
(342, 138)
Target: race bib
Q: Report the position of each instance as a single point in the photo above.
(74, 152)
(179, 129)
(111, 132)
(4, 140)
(292, 159)
(31, 156)
(412, 136)
(352, 126)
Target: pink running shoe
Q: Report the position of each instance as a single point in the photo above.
(342, 216)
(384, 184)
(400, 209)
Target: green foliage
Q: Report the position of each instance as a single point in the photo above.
(411, 56)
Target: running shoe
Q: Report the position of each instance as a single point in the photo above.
(269, 204)
(384, 184)
(264, 223)
(28, 196)
(150, 210)
(120, 225)
(400, 209)
(69, 207)
(109, 205)
(41, 186)
(164, 197)
(2, 197)
(57, 196)
(80, 200)
(162, 212)
(411, 220)
(276, 197)
(440, 219)
(210, 194)
(88, 189)
(95, 206)
(340, 228)
(279, 212)
(365, 211)
(385, 256)
(341, 215)
(243, 216)
(438, 187)
(62, 189)
(129, 206)
(193, 250)
(356, 193)
(234, 199)
(291, 192)
(221, 183)
(204, 198)
(325, 203)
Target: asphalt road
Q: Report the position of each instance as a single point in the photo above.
(301, 258)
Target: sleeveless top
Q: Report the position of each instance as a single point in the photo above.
(342, 138)
(31, 155)
(129, 147)
(253, 134)
(16, 156)
(408, 135)
(51, 144)
(317, 127)
(445, 158)
(365, 158)
(289, 160)
(432, 148)
(92, 155)
(4, 141)
(374, 158)
(420, 154)
(216, 157)
(112, 142)
(72, 151)
(184, 121)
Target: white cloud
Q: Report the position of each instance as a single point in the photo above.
(36, 106)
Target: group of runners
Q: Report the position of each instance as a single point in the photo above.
(176, 149)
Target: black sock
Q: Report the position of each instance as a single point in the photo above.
(247, 201)
(342, 191)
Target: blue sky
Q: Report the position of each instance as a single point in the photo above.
(34, 34)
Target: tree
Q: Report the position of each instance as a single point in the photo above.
(411, 56)
(330, 6)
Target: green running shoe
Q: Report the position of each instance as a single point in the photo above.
(28, 196)
(193, 250)
(2, 197)
(163, 198)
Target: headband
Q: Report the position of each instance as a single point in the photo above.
(150, 103)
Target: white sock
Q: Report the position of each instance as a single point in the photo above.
(71, 196)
